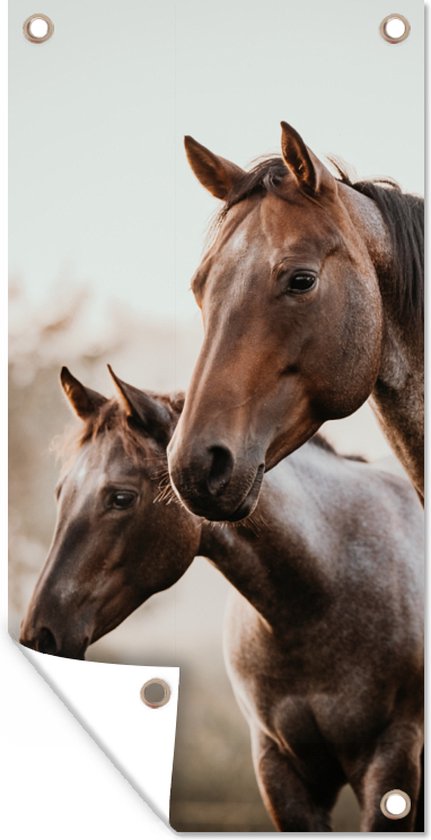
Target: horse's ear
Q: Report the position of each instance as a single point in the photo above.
(177, 401)
(84, 401)
(144, 409)
(309, 172)
(216, 174)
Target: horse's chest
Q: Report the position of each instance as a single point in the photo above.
(316, 707)
(302, 689)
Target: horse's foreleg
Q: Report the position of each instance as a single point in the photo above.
(395, 765)
(287, 797)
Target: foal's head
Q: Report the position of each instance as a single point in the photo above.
(112, 547)
(292, 316)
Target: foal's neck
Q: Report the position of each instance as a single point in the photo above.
(398, 394)
(279, 556)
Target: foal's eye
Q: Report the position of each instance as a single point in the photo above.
(122, 499)
(300, 282)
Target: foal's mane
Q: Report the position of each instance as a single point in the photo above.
(322, 443)
(111, 417)
(402, 213)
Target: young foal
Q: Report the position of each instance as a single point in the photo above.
(324, 633)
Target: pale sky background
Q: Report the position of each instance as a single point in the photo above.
(100, 189)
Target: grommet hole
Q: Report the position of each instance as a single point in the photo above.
(38, 28)
(395, 804)
(155, 693)
(395, 28)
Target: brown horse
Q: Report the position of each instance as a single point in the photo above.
(312, 300)
(324, 634)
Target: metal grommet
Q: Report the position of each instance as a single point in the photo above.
(155, 693)
(395, 804)
(395, 28)
(38, 28)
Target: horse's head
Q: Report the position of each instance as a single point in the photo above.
(292, 316)
(112, 547)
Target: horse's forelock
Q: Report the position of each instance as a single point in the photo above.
(111, 418)
(67, 445)
(265, 176)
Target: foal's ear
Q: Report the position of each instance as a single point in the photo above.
(144, 409)
(216, 174)
(84, 401)
(308, 170)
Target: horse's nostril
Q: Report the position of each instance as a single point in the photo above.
(220, 470)
(45, 642)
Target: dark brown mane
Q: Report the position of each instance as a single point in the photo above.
(402, 213)
(266, 176)
(324, 444)
(110, 417)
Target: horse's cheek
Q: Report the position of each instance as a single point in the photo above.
(348, 361)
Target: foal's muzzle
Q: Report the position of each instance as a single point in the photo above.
(44, 640)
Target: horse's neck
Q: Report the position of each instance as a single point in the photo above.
(397, 397)
(277, 557)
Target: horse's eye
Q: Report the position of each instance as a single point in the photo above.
(301, 281)
(122, 499)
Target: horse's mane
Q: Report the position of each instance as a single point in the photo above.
(321, 442)
(402, 213)
(110, 417)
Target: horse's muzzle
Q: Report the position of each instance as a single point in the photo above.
(212, 484)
